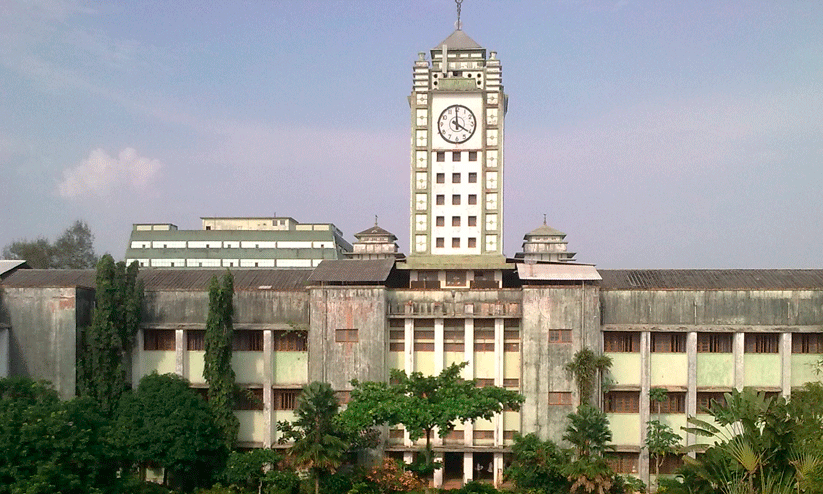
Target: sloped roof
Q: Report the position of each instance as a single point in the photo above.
(560, 271)
(375, 231)
(352, 271)
(50, 278)
(544, 230)
(458, 40)
(711, 279)
(7, 265)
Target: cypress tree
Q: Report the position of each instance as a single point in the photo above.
(217, 370)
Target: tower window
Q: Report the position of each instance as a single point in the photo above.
(472, 199)
(441, 178)
(440, 242)
(441, 199)
(472, 178)
(455, 220)
(456, 156)
(472, 242)
(472, 220)
(440, 221)
(456, 200)
(455, 243)
(472, 155)
(455, 178)
(441, 156)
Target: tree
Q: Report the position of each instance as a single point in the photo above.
(587, 367)
(50, 445)
(217, 370)
(661, 440)
(425, 403)
(107, 343)
(318, 439)
(538, 465)
(166, 423)
(588, 432)
(73, 249)
(248, 469)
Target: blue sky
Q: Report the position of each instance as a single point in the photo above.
(655, 134)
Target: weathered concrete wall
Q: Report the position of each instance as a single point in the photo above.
(713, 307)
(358, 308)
(255, 307)
(43, 338)
(568, 307)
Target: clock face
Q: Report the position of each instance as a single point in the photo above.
(456, 124)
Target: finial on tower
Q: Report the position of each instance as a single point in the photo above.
(375, 220)
(544, 218)
(458, 24)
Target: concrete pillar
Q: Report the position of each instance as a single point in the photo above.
(691, 390)
(468, 373)
(137, 361)
(739, 362)
(180, 352)
(438, 474)
(498, 469)
(645, 386)
(498, 376)
(268, 382)
(439, 359)
(786, 364)
(408, 346)
(4, 352)
(468, 467)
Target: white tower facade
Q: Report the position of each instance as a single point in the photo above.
(458, 109)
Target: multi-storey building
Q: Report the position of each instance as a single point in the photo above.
(455, 298)
(279, 242)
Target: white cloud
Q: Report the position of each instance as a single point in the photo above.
(101, 174)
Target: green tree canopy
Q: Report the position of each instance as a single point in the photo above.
(73, 249)
(537, 466)
(587, 368)
(165, 423)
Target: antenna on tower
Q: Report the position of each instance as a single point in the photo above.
(458, 24)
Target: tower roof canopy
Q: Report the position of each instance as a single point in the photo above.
(544, 229)
(375, 231)
(458, 40)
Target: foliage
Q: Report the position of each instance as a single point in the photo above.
(627, 484)
(587, 367)
(281, 482)
(73, 249)
(423, 403)
(537, 465)
(50, 445)
(318, 445)
(248, 469)
(661, 440)
(588, 432)
(475, 487)
(107, 343)
(390, 477)
(165, 423)
(217, 369)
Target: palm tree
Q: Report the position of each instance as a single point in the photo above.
(587, 367)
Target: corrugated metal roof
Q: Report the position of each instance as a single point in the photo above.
(352, 271)
(712, 279)
(7, 265)
(558, 272)
(164, 279)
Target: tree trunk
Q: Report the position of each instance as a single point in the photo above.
(317, 484)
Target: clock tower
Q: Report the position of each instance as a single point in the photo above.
(457, 114)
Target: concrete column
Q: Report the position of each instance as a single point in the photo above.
(468, 373)
(498, 376)
(4, 352)
(137, 362)
(180, 352)
(645, 386)
(691, 392)
(438, 474)
(268, 382)
(498, 469)
(786, 364)
(439, 356)
(408, 346)
(739, 363)
(468, 467)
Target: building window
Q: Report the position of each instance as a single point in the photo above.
(290, 341)
(423, 336)
(456, 278)
(440, 221)
(807, 343)
(484, 335)
(483, 435)
(623, 462)
(440, 199)
(397, 433)
(560, 336)
(455, 220)
(670, 464)
(455, 178)
(454, 335)
(511, 383)
(674, 403)
(397, 335)
(714, 342)
(439, 242)
(196, 340)
(159, 340)
(284, 399)
(705, 399)
(511, 336)
(455, 243)
(668, 342)
(249, 399)
(472, 199)
(622, 402)
(247, 341)
(560, 398)
(621, 342)
(456, 156)
(348, 335)
(472, 155)
(472, 178)
(762, 343)
(441, 156)
(472, 220)
(456, 199)
(472, 242)
(441, 178)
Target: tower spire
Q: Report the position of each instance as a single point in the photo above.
(458, 25)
